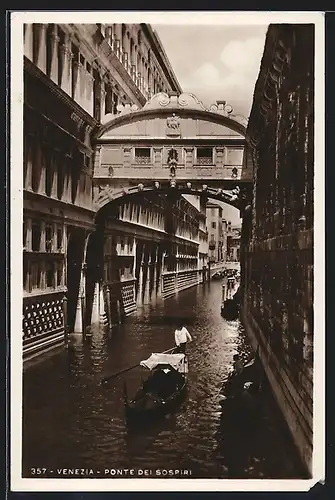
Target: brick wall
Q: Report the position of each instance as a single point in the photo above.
(277, 236)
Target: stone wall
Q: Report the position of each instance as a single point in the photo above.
(277, 234)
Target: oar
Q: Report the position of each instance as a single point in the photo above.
(116, 374)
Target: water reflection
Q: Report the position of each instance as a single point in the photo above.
(71, 420)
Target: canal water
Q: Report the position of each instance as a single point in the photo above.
(70, 420)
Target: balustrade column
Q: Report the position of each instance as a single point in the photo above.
(28, 40)
(54, 54)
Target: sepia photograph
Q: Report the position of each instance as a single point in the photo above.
(167, 252)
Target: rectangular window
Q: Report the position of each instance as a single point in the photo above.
(50, 275)
(214, 225)
(204, 156)
(213, 211)
(36, 237)
(143, 156)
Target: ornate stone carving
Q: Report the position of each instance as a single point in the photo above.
(173, 125)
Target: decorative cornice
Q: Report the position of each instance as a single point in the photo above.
(184, 105)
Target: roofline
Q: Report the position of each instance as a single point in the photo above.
(160, 53)
(189, 112)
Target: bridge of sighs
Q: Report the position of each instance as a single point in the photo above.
(154, 170)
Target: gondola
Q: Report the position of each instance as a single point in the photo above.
(230, 309)
(162, 390)
(245, 383)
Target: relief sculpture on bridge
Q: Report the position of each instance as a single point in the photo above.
(173, 125)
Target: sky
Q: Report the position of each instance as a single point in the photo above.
(216, 62)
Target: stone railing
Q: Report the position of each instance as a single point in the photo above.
(128, 295)
(43, 322)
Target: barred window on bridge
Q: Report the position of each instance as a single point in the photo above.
(143, 156)
(204, 156)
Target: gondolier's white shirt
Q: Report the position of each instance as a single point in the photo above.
(181, 336)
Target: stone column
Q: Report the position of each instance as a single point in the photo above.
(118, 39)
(28, 40)
(79, 326)
(76, 69)
(140, 278)
(41, 60)
(54, 237)
(89, 93)
(67, 191)
(53, 166)
(154, 274)
(148, 264)
(66, 55)
(29, 163)
(29, 235)
(54, 54)
(42, 241)
(103, 98)
(40, 168)
(160, 260)
(134, 260)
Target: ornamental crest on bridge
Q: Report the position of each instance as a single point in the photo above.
(173, 126)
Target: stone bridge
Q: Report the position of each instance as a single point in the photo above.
(173, 143)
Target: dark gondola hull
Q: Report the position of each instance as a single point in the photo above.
(146, 407)
(230, 309)
(247, 382)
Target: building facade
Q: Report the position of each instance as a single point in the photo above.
(233, 244)
(151, 250)
(277, 231)
(215, 232)
(74, 76)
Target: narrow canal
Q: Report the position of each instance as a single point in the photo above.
(70, 420)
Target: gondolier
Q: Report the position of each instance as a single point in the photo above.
(182, 335)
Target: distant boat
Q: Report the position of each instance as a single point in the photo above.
(162, 390)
